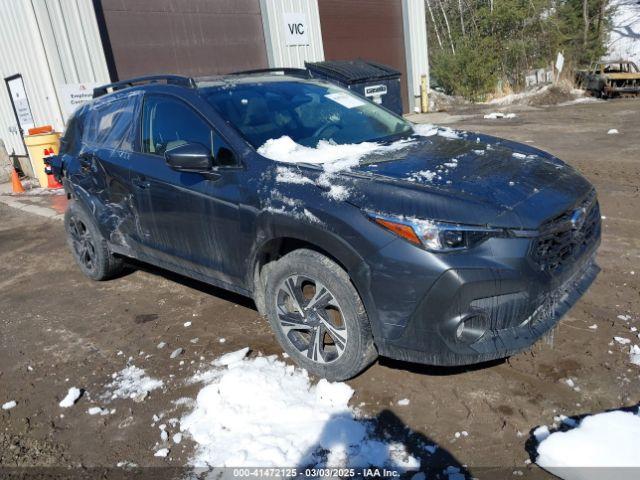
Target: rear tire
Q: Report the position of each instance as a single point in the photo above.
(318, 316)
(88, 246)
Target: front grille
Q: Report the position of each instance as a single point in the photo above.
(563, 239)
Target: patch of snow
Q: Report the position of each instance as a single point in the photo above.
(131, 382)
(231, 357)
(428, 130)
(9, 405)
(263, 412)
(222, 340)
(98, 410)
(186, 324)
(73, 394)
(427, 175)
(541, 433)
(286, 175)
(161, 345)
(518, 97)
(404, 402)
(622, 340)
(634, 355)
(496, 115)
(163, 452)
(603, 440)
(624, 318)
(613, 131)
(625, 31)
(337, 192)
(334, 156)
(518, 155)
(176, 353)
(177, 438)
(594, 327)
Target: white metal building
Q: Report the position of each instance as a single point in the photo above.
(52, 52)
(52, 45)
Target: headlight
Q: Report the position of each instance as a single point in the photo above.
(438, 236)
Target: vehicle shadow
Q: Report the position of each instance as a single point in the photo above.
(379, 449)
(132, 265)
(438, 370)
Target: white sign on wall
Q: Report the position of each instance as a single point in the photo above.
(295, 29)
(72, 95)
(21, 103)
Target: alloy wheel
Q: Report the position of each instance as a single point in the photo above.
(82, 243)
(311, 318)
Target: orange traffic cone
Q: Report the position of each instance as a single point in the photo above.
(52, 183)
(16, 184)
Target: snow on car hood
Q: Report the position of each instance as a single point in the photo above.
(336, 157)
(442, 174)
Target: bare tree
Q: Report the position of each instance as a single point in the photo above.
(585, 19)
(435, 25)
(446, 22)
(461, 18)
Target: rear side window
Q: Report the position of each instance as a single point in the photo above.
(72, 134)
(111, 124)
(168, 123)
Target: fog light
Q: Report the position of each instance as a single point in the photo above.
(471, 328)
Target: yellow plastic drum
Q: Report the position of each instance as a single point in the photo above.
(40, 146)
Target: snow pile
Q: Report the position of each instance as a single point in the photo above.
(70, 399)
(604, 440)
(336, 157)
(131, 382)
(496, 115)
(625, 32)
(9, 405)
(262, 412)
(519, 98)
(284, 149)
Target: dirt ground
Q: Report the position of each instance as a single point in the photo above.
(59, 329)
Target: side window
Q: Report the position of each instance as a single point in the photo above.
(168, 123)
(111, 125)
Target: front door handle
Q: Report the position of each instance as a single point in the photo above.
(141, 183)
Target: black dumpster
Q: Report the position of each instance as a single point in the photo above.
(377, 82)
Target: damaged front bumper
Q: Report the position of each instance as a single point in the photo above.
(475, 315)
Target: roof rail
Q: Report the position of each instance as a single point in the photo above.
(296, 72)
(168, 79)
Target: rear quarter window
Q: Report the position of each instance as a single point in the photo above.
(111, 124)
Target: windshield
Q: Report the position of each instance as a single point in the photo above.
(305, 111)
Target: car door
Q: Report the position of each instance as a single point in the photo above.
(185, 219)
(101, 173)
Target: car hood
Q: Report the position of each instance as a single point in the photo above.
(467, 178)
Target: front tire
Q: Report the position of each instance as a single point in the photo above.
(88, 246)
(318, 316)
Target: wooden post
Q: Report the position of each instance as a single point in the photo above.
(424, 95)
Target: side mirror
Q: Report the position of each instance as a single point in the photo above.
(190, 157)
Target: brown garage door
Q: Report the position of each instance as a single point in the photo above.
(188, 37)
(366, 29)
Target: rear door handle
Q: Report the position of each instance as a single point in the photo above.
(86, 162)
(140, 182)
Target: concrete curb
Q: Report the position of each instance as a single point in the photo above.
(34, 209)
